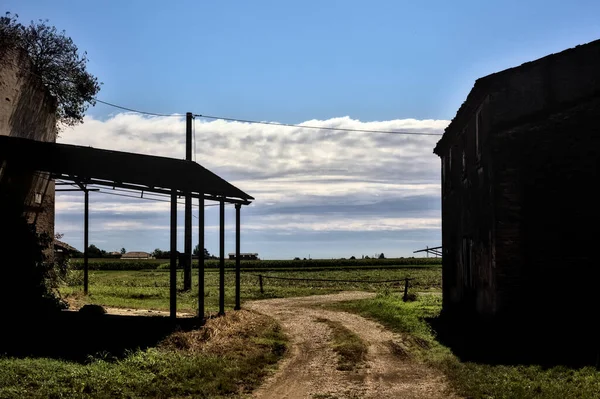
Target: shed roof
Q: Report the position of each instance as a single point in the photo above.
(64, 245)
(119, 169)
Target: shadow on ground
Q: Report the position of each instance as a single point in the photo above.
(517, 342)
(76, 336)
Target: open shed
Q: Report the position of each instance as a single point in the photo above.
(85, 166)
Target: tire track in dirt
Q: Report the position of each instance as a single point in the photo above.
(309, 371)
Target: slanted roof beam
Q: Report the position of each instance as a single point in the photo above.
(157, 190)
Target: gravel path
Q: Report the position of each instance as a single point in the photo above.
(310, 369)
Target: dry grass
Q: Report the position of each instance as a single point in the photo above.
(238, 332)
(226, 359)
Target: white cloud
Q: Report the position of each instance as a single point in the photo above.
(282, 167)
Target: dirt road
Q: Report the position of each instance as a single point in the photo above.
(310, 369)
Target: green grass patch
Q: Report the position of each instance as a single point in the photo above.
(469, 379)
(143, 264)
(349, 347)
(202, 368)
(149, 289)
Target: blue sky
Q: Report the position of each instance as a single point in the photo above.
(377, 64)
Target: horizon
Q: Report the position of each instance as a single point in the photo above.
(350, 65)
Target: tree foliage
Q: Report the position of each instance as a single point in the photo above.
(58, 62)
(207, 254)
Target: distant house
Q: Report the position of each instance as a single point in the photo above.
(136, 255)
(519, 166)
(63, 251)
(244, 256)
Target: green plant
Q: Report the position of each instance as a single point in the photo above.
(349, 347)
(58, 62)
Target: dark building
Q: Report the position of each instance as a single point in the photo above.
(27, 110)
(519, 209)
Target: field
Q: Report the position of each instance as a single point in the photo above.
(150, 264)
(149, 289)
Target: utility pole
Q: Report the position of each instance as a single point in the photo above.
(187, 264)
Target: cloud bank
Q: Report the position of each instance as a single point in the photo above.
(310, 185)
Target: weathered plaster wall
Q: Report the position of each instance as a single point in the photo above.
(27, 110)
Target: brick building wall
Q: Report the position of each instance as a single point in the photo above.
(27, 110)
(549, 215)
(497, 169)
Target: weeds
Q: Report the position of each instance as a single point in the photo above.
(349, 347)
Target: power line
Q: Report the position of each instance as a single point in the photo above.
(317, 127)
(340, 129)
(134, 110)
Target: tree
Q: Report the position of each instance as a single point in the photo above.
(197, 251)
(95, 252)
(58, 62)
(158, 254)
(352, 257)
(381, 256)
(123, 250)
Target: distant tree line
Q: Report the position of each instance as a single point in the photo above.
(160, 254)
(381, 256)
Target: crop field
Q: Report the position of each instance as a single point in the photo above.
(149, 289)
(150, 264)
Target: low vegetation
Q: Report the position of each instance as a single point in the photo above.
(349, 347)
(473, 380)
(143, 264)
(227, 358)
(149, 289)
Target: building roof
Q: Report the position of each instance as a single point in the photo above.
(119, 169)
(64, 246)
(484, 84)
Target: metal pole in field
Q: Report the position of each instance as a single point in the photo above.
(201, 258)
(237, 256)
(187, 264)
(173, 264)
(86, 232)
(222, 258)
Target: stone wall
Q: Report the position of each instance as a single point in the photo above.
(27, 110)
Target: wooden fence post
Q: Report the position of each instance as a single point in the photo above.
(405, 298)
(260, 281)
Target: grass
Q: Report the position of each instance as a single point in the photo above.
(139, 264)
(472, 380)
(349, 347)
(227, 358)
(149, 289)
